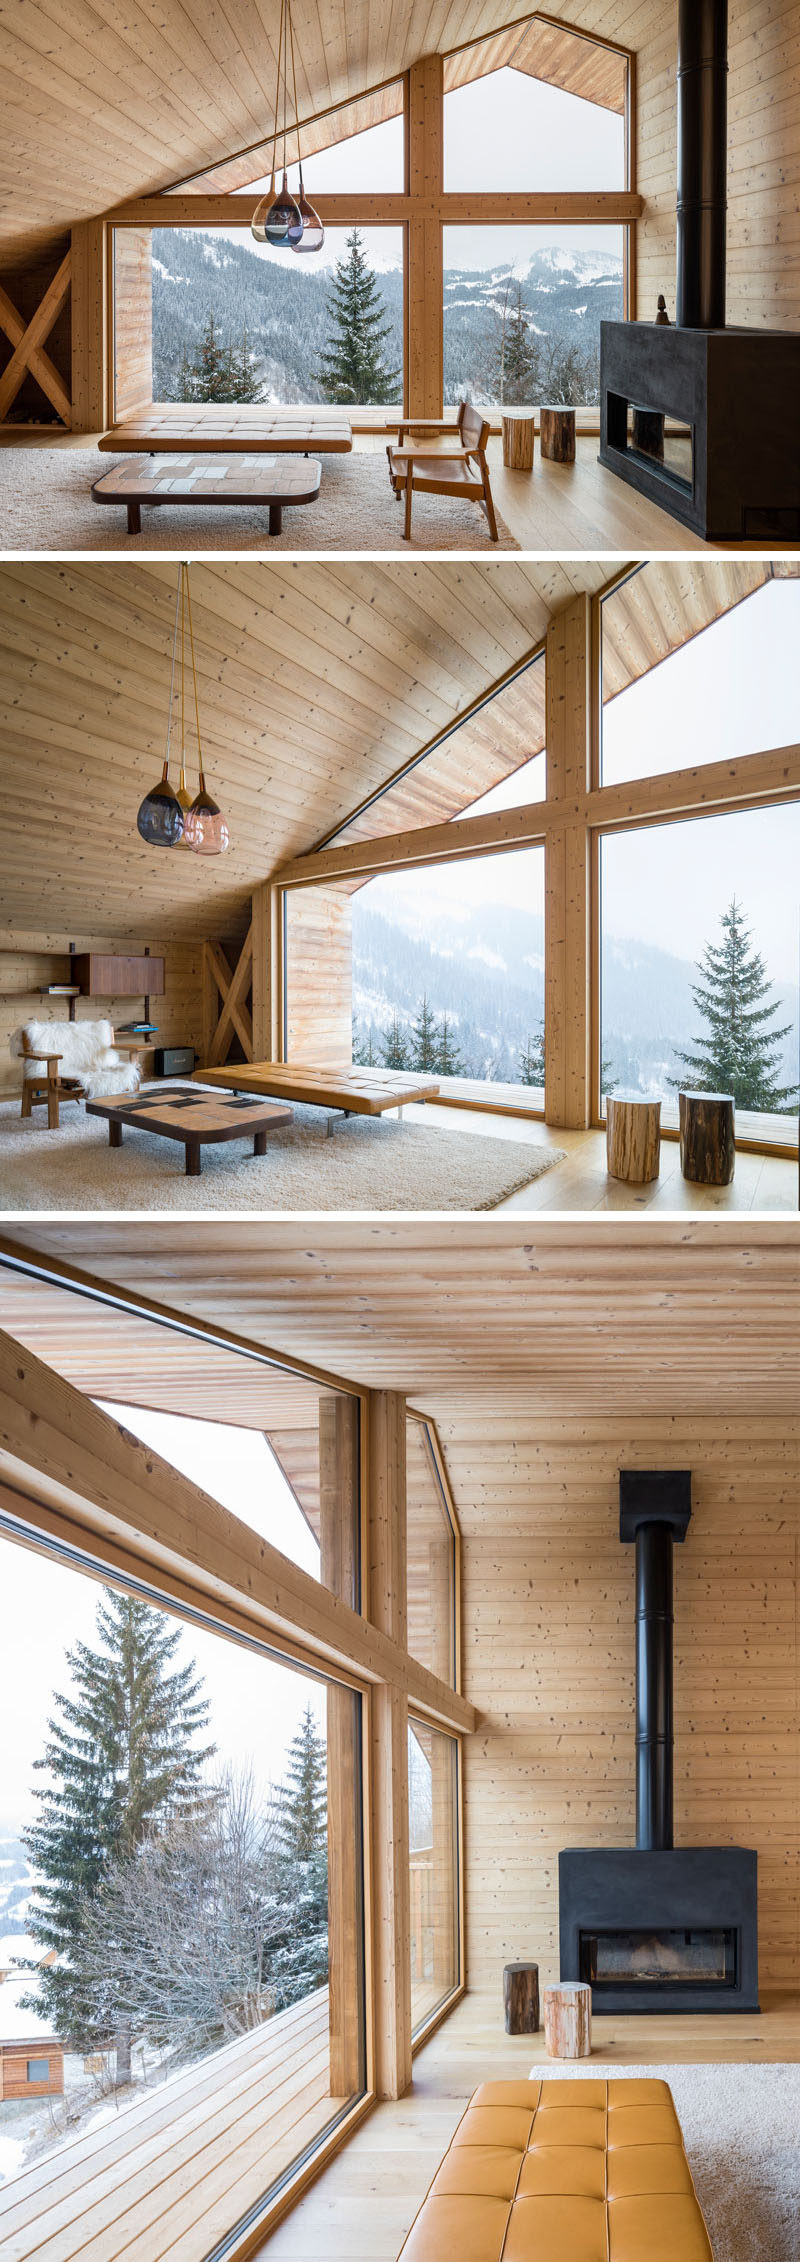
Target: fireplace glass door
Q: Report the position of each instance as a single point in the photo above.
(663, 442)
(660, 1956)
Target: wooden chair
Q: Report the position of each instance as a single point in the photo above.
(52, 1089)
(449, 459)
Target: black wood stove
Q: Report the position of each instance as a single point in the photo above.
(659, 1927)
(703, 418)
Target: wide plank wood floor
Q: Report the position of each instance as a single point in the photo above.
(360, 2208)
(581, 1182)
(167, 2175)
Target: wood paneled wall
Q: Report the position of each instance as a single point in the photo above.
(28, 962)
(319, 977)
(548, 1644)
(133, 320)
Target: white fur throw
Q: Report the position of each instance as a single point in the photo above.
(87, 1051)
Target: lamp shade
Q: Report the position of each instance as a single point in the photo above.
(278, 220)
(160, 818)
(205, 828)
(313, 236)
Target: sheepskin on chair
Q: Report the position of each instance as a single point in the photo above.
(87, 1052)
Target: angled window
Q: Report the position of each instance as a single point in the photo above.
(433, 1554)
(433, 1762)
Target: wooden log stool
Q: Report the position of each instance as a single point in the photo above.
(518, 432)
(708, 1148)
(557, 434)
(521, 1998)
(568, 2020)
(633, 1137)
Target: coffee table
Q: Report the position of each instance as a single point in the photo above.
(266, 481)
(196, 1117)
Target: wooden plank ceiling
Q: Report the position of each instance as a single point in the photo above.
(102, 105)
(316, 683)
(674, 1318)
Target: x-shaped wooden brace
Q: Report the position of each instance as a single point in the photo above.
(233, 990)
(27, 341)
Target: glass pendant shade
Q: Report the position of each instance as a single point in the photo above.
(278, 220)
(205, 830)
(313, 236)
(160, 818)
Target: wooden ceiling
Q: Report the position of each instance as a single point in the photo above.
(673, 1318)
(102, 104)
(318, 682)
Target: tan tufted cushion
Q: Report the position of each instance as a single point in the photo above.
(563, 2171)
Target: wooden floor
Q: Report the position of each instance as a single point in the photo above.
(168, 2175)
(761, 1182)
(555, 508)
(360, 2208)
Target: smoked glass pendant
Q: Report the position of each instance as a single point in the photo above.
(278, 220)
(160, 818)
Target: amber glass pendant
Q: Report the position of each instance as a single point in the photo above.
(205, 829)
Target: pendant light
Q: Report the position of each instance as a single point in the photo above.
(277, 220)
(313, 235)
(173, 820)
(160, 817)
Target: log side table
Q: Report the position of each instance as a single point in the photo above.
(708, 1148)
(557, 434)
(521, 1998)
(633, 1137)
(518, 434)
(568, 2020)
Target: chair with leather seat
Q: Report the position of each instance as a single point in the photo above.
(443, 459)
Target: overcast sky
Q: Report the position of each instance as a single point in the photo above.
(733, 689)
(44, 1608)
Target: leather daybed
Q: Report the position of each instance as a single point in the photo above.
(563, 2171)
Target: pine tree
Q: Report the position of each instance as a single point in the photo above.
(354, 368)
(245, 385)
(449, 1058)
(217, 373)
(364, 1054)
(298, 1959)
(738, 1053)
(514, 356)
(123, 1753)
(394, 1046)
(424, 1045)
(531, 1060)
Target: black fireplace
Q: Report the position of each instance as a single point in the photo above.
(659, 1927)
(701, 417)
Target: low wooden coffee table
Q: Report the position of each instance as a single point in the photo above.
(264, 481)
(196, 1117)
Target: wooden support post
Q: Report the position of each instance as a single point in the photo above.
(424, 283)
(31, 339)
(233, 988)
(338, 1523)
(567, 1014)
(39, 363)
(263, 973)
(91, 404)
(386, 1604)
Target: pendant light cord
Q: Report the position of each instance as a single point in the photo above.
(194, 680)
(277, 95)
(172, 671)
(288, 7)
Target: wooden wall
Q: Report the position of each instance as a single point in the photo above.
(28, 961)
(548, 1644)
(319, 977)
(133, 320)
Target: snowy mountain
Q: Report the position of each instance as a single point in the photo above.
(284, 307)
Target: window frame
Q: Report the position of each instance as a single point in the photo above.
(434, 2018)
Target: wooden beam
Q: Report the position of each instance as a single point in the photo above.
(39, 363)
(567, 1019)
(424, 296)
(91, 392)
(339, 1487)
(76, 1474)
(386, 1526)
(261, 973)
(389, 209)
(232, 988)
(34, 334)
(773, 775)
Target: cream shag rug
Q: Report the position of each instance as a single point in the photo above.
(741, 2127)
(46, 504)
(366, 1165)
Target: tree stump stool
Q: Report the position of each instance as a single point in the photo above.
(568, 2020)
(521, 1998)
(557, 434)
(708, 1148)
(633, 1137)
(518, 431)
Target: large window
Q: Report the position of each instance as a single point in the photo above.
(732, 688)
(508, 130)
(233, 320)
(522, 312)
(432, 1554)
(182, 1813)
(700, 964)
(433, 1843)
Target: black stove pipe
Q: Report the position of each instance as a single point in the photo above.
(702, 163)
(654, 1626)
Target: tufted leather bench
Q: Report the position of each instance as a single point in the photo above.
(563, 2171)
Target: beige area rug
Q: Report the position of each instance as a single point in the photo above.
(366, 1165)
(46, 504)
(741, 2127)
